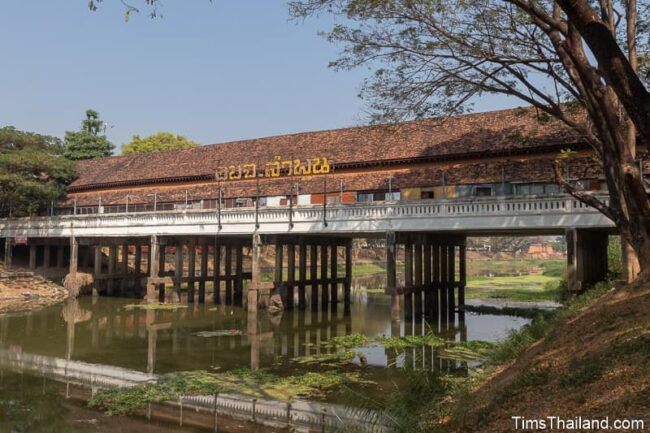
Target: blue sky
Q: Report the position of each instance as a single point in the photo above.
(214, 72)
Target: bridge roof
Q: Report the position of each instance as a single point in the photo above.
(514, 131)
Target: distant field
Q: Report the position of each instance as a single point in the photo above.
(520, 280)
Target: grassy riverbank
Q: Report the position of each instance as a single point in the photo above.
(529, 280)
(590, 359)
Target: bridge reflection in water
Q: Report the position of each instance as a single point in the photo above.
(99, 342)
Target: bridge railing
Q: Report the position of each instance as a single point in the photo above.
(378, 211)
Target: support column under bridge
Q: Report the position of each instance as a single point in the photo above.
(308, 271)
(195, 266)
(587, 261)
(434, 274)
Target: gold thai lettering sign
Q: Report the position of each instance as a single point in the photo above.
(275, 168)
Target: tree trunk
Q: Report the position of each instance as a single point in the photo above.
(616, 68)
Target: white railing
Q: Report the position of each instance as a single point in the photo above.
(553, 212)
(310, 415)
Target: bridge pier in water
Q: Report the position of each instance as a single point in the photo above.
(434, 275)
(220, 262)
(312, 271)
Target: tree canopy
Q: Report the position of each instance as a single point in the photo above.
(89, 142)
(157, 143)
(579, 61)
(33, 172)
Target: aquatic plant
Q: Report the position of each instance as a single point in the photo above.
(400, 343)
(257, 384)
(337, 359)
(348, 341)
(154, 306)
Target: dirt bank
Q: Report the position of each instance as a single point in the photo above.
(594, 363)
(22, 290)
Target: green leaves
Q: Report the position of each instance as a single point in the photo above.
(88, 142)
(156, 143)
(33, 173)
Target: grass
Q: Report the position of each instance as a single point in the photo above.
(540, 280)
(531, 288)
(449, 397)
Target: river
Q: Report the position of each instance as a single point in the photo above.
(107, 332)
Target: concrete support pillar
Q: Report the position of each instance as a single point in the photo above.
(191, 269)
(97, 271)
(74, 253)
(32, 255)
(435, 287)
(154, 268)
(277, 273)
(451, 285)
(112, 262)
(313, 271)
(178, 270)
(228, 272)
(137, 259)
(444, 281)
(302, 274)
(216, 273)
(137, 263)
(462, 270)
(47, 254)
(347, 288)
(59, 256)
(417, 282)
(125, 259)
(162, 260)
(204, 271)
(391, 277)
(239, 273)
(124, 267)
(334, 286)
(426, 278)
(252, 297)
(9, 252)
(324, 287)
(408, 281)
(291, 273)
(586, 258)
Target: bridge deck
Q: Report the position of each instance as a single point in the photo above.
(551, 214)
